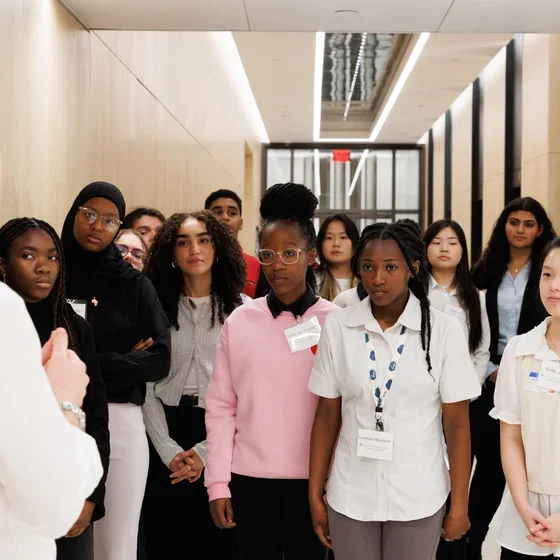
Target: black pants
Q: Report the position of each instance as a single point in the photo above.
(488, 481)
(77, 548)
(273, 520)
(177, 521)
(510, 555)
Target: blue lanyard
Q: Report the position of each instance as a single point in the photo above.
(380, 396)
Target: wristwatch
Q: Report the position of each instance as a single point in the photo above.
(68, 406)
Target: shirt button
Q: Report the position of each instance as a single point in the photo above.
(382, 475)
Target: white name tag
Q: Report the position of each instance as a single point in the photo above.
(304, 335)
(532, 386)
(79, 306)
(549, 376)
(375, 445)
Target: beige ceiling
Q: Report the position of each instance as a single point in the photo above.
(396, 16)
(280, 70)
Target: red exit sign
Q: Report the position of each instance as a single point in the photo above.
(341, 156)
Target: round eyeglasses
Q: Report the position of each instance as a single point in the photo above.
(136, 254)
(287, 256)
(89, 217)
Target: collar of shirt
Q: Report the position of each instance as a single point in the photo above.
(298, 308)
(433, 285)
(362, 315)
(534, 342)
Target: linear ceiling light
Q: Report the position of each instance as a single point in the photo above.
(355, 77)
(232, 63)
(357, 173)
(407, 70)
(318, 84)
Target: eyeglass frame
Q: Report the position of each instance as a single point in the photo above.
(279, 253)
(129, 250)
(99, 217)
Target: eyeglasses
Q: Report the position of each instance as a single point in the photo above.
(136, 254)
(89, 216)
(287, 256)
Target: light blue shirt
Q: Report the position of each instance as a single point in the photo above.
(510, 300)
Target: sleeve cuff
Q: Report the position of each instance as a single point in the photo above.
(465, 393)
(320, 388)
(200, 450)
(218, 490)
(505, 416)
(168, 454)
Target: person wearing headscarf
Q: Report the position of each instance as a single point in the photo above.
(133, 342)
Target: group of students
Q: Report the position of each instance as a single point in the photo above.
(283, 426)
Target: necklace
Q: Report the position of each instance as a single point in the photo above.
(552, 344)
(515, 269)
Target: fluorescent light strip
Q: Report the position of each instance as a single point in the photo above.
(318, 84)
(355, 77)
(407, 70)
(317, 173)
(357, 173)
(232, 63)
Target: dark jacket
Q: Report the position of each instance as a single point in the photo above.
(127, 314)
(532, 312)
(95, 401)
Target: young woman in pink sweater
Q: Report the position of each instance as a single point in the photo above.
(259, 411)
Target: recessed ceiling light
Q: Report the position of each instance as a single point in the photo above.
(346, 13)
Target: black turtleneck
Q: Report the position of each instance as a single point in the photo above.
(95, 401)
(298, 308)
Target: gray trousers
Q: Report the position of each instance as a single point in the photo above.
(389, 540)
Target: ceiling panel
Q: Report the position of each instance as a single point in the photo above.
(448, 64)
(380, 16)
(185, 15)
(503, 16)
(280, 69)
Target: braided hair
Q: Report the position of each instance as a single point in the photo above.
(228, 270)
(9, 232)
(293, 204)
(406, 234)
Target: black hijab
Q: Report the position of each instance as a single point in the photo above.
(90, 275)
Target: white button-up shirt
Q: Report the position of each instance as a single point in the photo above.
(415, 484)
(447, 301)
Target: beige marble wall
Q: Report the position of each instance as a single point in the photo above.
(540, 171)
(159, 114)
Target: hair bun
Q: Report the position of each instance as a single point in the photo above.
(288, 200)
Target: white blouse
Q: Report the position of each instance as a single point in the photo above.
(507, 522)
(415, 484)
(447, 301)
(48, 467)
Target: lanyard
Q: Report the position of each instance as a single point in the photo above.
(379, 396)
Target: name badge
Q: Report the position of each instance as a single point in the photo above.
(532, 386)
(375, 445)
(304, 335)
(549, 376)
(79, 306)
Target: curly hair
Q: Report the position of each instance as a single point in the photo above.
(492, 265)
(406, 233)
(228, 270)
(9, 232)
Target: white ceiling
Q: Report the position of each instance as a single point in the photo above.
(280, 69)
(393, 16)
